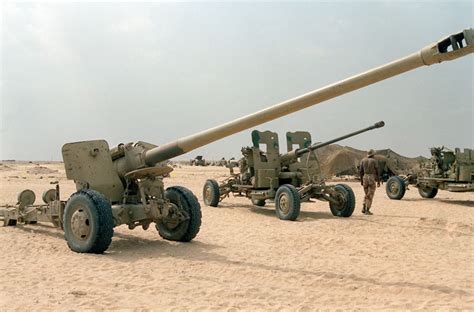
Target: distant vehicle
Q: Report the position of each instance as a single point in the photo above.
(446, 170)
(198, 161)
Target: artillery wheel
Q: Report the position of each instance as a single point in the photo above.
(287, 202)
(210, 193)
(346, 199)
(395, 188)
(258, 202)
(185, 231)
(427, 191)
(88, 222)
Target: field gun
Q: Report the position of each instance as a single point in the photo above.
(124, 184)
(448, 170)
(289, 179)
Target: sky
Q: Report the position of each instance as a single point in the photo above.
(157, 72)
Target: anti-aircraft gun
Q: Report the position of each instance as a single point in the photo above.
(448, 170)
(124, 185)
(289, 179)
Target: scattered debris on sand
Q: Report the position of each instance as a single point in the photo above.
(4, 167)
(41, 170)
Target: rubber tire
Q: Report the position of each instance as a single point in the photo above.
(12, 222)
(214, 186)
(293, 201)
(398, 181)
(188, 229)
(428, 194)
(350, 204)
(101, 222)
(258, 202)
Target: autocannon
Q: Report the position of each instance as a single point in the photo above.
(289, 179)
(448, 170)
(124, 184)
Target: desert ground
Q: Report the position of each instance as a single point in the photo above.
(414, 254)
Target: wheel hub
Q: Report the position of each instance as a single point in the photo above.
(393, 188)
(340, 200)
(173, 218)
(208, 194)
(80, 225)
(284, 204)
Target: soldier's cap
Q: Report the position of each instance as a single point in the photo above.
(371, 152)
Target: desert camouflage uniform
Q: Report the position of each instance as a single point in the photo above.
(369, 175)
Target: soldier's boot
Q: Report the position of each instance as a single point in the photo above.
(364, 209)
(367, 212)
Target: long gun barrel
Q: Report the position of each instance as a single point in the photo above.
(450, 48)
(315, 146)
(300, 151)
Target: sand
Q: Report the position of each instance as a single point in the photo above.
(412, 254)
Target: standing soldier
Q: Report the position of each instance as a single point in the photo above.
(369, 175)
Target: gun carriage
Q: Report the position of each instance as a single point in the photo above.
(289, 179)
(448, 170)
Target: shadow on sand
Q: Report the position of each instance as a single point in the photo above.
(304, 215)
(269, 211)
(465, 203)
(41, 228)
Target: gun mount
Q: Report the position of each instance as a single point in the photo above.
(124, 185)
(290, 178)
